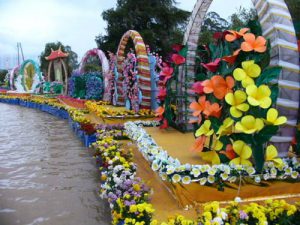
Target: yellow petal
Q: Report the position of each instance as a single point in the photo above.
(218, 145)
(240, 96)
(235, 112)
(199, 132)
(272, 115)
(247, 64)
(248, 121)
(271, 152)
(281, 120)
(238, 146)
(239, 126)
(252, 101)
(246, 152)
(265, 102)
(264, 90)
(259, 124)
(251, 90)
(246, 162)
(236, 161)
(253, 70)
(277, 161)
(247, 81)
(229, 98)
(243, 107)
(239, 74)
(210, 156)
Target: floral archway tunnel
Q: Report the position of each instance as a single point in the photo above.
(142, 64)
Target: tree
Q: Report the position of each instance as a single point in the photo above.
(241, 18)
(294, 7)
(3, 75)
(159, 22)
(71, 60)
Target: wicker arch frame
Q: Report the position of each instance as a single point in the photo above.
(65, 68)
(101, 56)
(36, 69)
(277, 26)
(142, 67)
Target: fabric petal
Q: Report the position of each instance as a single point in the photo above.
(236, 161)
(229, 98)
(239, 74)
(265, 102)
(240, 96)
(246, 47)
(253, 71)
(246, 152)
(280, 120)
(235, 112)
(271, 152)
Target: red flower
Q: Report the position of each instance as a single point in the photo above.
(177, 47)
(212, 66)
(231, 58)
(166, 73)
(230, 154)
(164, 124)
(178, 59)
(162, 94)
(198, 88)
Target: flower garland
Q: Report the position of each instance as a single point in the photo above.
(172, 170)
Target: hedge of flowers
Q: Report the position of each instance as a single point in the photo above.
(103, 111)
(127, 194)
(172, 170)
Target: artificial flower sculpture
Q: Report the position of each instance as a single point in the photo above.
(237, 86)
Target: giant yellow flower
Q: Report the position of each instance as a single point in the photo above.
(259, 96)
(271, 155)
(226, 127)
(236, 100)
(243, 151)
(249, 124)
(205, 129)
(273, 119)
(246, 74)
(212, 156)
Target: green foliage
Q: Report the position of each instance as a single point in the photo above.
(2, 75)
(159, 22)
(240, 18)
(294, 7)
(71, 60)
(268, 74)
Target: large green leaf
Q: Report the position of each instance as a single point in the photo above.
(183, 51)
(259, 157)
(215, 123)
(265, 134)
(268, 74)
(255, 27)
(274, 92)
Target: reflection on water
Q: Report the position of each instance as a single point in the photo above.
(46, 175)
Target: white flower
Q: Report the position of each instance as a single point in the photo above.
(195, 172)
(204, 168)
(257, 179)
(266, 176)
(250, 170)
(232, 179)
(110, 162)
(212, 171)
(203, 180)
(224, 176)
(170, 169)
(155, 166)
(224, 215)
(176, 178)
(237, 199)
(211, 179)
(163, 176)
(218, 220)
(186, 180)
(288, 171)
(188, 166)
(295, 175)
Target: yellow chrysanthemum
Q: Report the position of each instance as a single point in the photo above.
(259, 96)
(273, 119)
(249, 124)
(271, 155)
(205, 129)
(243, 151)
(246, 74)
(212, 156)
(236, 100)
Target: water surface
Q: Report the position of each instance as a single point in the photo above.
(46, 175)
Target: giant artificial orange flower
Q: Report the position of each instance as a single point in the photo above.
(233, 35)
(231, 58)
(159, 111)
(199, 106)
(199, 144)
(218, 86)
(212, 109)
(254, 44)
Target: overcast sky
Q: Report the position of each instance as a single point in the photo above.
(73, 22)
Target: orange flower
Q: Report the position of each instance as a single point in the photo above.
(233, 35)
(230, 154)
(212, 109)
(251, 43)
(159, 111)
(199, 144)
(218, 86)
(199, 106)
(231, 58)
